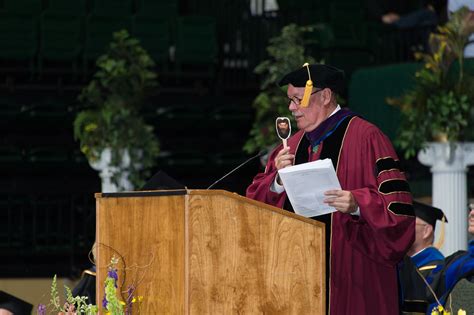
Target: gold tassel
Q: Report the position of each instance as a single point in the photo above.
(307, 89)
(440, 241)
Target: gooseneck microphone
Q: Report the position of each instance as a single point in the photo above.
(261, 153)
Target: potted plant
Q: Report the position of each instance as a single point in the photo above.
(435, 114)
(438, 106)
(110, 129)
(287, 53)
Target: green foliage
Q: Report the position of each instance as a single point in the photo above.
(287, 53)
(438, 106)
(73, 305)
(114, 98)
(113, 303)
(55, 301)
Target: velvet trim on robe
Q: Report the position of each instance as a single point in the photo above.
(365, 249)
(427, 257)
(426, 264)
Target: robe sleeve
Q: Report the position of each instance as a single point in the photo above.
(260, 187)
(385, 229)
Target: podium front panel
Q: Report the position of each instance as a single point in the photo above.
(146, 235)
(210, 252)
(244, 259)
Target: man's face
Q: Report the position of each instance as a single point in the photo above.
(471, 221)
(307, 118)
(283, 126)
(420, 226)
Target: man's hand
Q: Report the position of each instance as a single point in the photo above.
(283, 159)
(342, 200)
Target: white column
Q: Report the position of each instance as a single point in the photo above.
(449, 163)
(106, 171)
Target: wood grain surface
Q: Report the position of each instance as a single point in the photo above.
(245, 259)
(212, 252)
(147, 233)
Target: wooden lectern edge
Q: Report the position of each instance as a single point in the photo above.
(208, 192)
(256, 203)
(142, 193)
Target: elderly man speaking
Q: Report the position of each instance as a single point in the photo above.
(374, 225)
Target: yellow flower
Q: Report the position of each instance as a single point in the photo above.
(122, 302)
(140, 298)
(85, 149)
(418, 56)
(438, 310)
(443, 45)
(461, 312)
(90, 127)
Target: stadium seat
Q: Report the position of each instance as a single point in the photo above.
(48, 154)
(113, 8)
(154, 37)
(12, 223)
(60, 39)
(49, 114)
(369, 88)
(21, 34)
(98, 34)
(157, 9)
(23, 7)
(196, 42)
(61, 7)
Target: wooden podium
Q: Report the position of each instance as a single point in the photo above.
(210, 252)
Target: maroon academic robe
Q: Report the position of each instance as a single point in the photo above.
(365, 249)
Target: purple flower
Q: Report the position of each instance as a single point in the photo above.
(112, 273)
(104, 302)
(41, 309)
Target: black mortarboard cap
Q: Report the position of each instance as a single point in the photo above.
(323, 76)
(428, 213)
(15, 305)
(161, 180)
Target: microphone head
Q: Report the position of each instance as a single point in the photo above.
(259, 154)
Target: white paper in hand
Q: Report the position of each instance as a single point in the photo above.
(305, 185)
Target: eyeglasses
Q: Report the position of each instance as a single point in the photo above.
(297, 100)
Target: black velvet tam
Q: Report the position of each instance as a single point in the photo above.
(428, 213)
(323, 76)
(15, 305)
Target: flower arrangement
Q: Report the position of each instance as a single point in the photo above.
(72, 305)
(111, 303)
(438, 106)
(112, 119)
